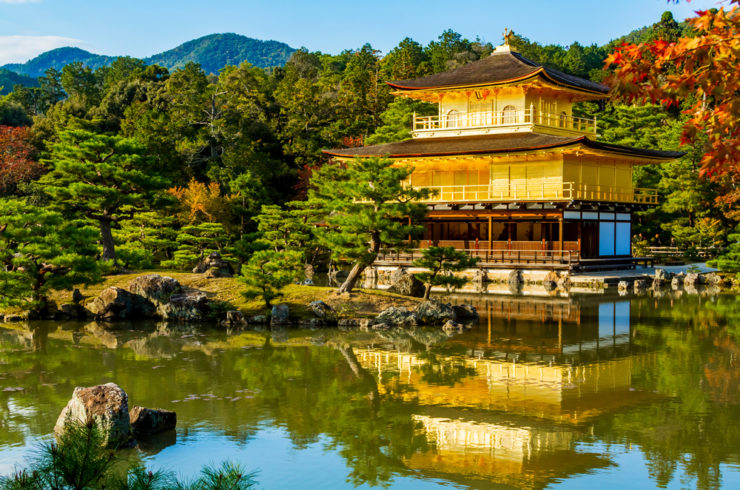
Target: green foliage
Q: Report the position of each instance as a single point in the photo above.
(79, 461)
(10, 79)
(195, 242)
(398, 119)
(730, 260)
(367, 207)
(440, 263)
(40, 250)
(268, 271)
(102, 178)
(145, 240)
(290, 229)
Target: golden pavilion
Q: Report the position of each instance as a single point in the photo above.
(517, 179)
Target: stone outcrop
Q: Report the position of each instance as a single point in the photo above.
(623, 286)
(480, 280)
(713, 279)
(149, 421)
(186, 307)
(677, 280)
(322, 311)
(433, 312)
(692, 280)
(115, 303)
(639, 286)
(214, 266)
(157, 289)
(404, 283)
(104, 405)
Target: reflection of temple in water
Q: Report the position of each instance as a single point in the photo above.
(509, 400)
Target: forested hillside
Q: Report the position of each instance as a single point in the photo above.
(207, 152)
(211, 52)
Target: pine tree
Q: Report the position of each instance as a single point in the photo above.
(195, 242)
(440, 262)
(41, 251)
(367, 207)
(268, 271)
(102, 178)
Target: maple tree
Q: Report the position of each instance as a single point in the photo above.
(16, 162)
(699, 73)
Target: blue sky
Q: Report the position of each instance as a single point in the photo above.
(144, 27)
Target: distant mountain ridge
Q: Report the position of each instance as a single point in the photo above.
(212, 52)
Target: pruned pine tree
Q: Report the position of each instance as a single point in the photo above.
(268, 271)
(440, 262)
(195, 242)
(40, 251)
(367, 208)
(102, 178)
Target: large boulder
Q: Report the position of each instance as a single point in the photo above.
(550, 281)
(677, 280)
(235, 318)
(104, 405)
(406, 284)
(713, 279)
(214, 266)
(465, 313)
(433, 312)
(280, 315)
(157, 289)
(396, 317)
(692, 280)
(149, 421)
(186, 307)
(115, 303)
(480, 279)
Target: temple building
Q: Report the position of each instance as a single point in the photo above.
(517, 179)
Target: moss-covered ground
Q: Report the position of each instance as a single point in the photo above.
(229, 291)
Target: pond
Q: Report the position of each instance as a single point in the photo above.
(574, 392)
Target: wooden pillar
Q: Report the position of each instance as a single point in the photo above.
(490, 234)
(560, 232)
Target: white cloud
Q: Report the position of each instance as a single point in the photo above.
(19, 49)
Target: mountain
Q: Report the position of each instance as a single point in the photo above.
(215, 51)
(8, 79)
(57, 58)
(212, 52)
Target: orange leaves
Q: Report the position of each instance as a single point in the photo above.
(703, 68)
(201, 202)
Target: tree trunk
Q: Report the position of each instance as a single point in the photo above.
(352, 278)
(427, 290)
(106, 239)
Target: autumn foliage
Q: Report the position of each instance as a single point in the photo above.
(16, 162)
(699, 73)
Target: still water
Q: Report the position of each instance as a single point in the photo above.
(585, 392)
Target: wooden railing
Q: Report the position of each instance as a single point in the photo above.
(487, 258)
(492, 119)
(565, 191)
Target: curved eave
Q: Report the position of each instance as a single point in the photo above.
(653, 156)
(541, 71)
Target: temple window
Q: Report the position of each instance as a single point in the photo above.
(509, 114)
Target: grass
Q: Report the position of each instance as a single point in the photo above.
(229, 290)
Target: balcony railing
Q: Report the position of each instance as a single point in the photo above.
(503, 119)
(565, 191)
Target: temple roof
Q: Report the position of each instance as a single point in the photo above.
(499, 67)
(498, 143)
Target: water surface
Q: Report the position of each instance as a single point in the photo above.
(582, 392)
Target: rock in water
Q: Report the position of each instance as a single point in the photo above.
(235, 318)
(189, 307)
(106, 406)
(550, 281)
(433, 312)
(149, 421)
(515, 281)
(115, 303)
(396, 317)
(280, 314)
(465, 313)
(406, 284)
(623, 286)
(692, 279)
(157, 289)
